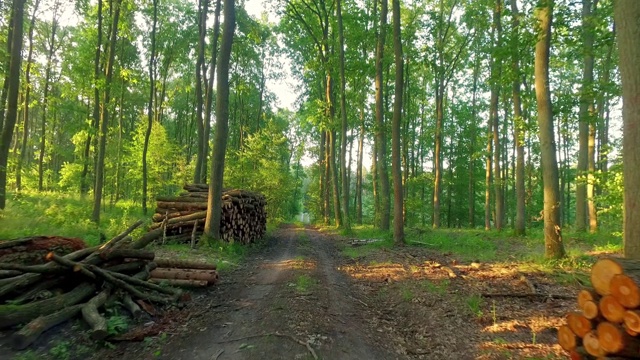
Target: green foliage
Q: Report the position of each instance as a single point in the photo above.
(61, 351)
(48, 213)
(304, 283)
(117, 324)
(474, 304)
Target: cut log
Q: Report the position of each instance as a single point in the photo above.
(579, 353)
(15, 314)
(611, 309)
(37, 290)
(128, 254)
(615, 340)
(31, 250)
(184, 264)
(159, 217)
(131, 306)
(624, 287)
(605, 269)
(30, 332)
(632, 320)
(567, 339)
(91, 315)
(180, 282)
(590, 310)
(592, 344)
(177, 205)
(181, 219)
(211, 276)
(579, 324)
(629, 331)
(587, 295)
(127, 267)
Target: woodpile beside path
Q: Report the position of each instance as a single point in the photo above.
(608, 323)
(182, 218)
(120, 272)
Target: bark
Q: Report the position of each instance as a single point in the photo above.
(343, 128)
(627, 13)
(30, 332)
(472, 145)
(27, 99)
(209, 91)
(211, 276)
(212, 223)
(84, 184)
(199, 176)
(496, 73)
(398, 195)
(152, 94)
(104, 121)
(518, 129)
(91, 315)
(584, 116)
(380, 133)
(359, 166)
(17, 12)
(334, 177)
(554, 247)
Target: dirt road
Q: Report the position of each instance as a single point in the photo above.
(288, 302)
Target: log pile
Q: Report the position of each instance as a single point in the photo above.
(608, 322)
(121, 272)
(182, 218)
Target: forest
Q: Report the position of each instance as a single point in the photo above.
(491, 114)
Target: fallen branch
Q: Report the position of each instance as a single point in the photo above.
(30, 332)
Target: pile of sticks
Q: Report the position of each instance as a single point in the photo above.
(182, 218)
(120, 272)
(608, 322)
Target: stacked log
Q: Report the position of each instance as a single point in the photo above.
(608, 322)
(119, 272)
(182, 218)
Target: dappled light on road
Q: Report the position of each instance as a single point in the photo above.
(291, 264)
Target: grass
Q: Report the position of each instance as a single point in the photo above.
(47, 213)
(304, 283)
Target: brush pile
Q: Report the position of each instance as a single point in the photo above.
(608, 322)
(182, 218)
(121, 272)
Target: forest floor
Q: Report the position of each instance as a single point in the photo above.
(310, 293)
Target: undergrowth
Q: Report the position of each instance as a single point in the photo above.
(48, 213)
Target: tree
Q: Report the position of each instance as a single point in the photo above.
(152, 95)
(586, 110)
(398, 196)
(343, 127)
(554, 247)
(518, 125)
(214, 202)
(17, 14)
(27, 99)
(496, 73)
(627, 13)
(104, 121)
(381, 141)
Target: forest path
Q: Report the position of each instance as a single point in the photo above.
(287, 296)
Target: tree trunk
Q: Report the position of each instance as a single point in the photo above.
(45, 100)
(398, 196)
(359, 166)
(554, 247)
(17, 12)
(27, 99)
(496, 73)
(104, 125)
(214, 201)
(627, 13)
(334, 177)
(209, 90)
(472, 144)
(437, 156)
(381, 145)
(519, 126)
(343, 133)
(152, 94)
(586, 107)
(199, 177)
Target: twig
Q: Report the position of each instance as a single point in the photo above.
(216, 356)
(536, 295)
(193, 235)
(290, 337)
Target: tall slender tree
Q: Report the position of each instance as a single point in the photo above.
(214, 201)
(17, 14)
(627, 13)
(380, 133)
(496, 74)
(152, 95)
(518, 125)
(398, 195)
(554, 247)
(343, 121)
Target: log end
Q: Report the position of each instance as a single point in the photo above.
(586, 295)
(611, 337)
(611, 309)
(99, 334)
(566, 338)
(632, 320)
(590, 310)
(601, 274)
(579, 324)
(625, 290)
(592, 344)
